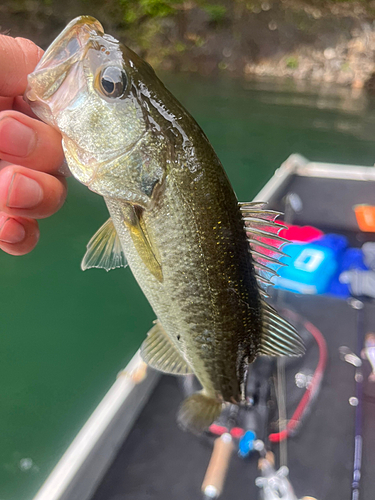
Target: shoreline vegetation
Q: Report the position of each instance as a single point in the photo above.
(320, 41)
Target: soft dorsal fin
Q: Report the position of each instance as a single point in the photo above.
(159, 352)
(279, 338)
(264, 240)
(104, 249)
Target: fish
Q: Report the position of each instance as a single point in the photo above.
(202, 259)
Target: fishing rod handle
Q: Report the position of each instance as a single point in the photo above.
(213, 482)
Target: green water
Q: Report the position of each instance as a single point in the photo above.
(65, 334)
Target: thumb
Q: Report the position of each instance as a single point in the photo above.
(18, 58)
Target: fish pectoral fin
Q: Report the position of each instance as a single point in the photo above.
(159, 352)
(143, 242)
(104, 249)
(279, 338)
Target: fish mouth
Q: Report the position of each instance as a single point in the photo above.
(68, 49)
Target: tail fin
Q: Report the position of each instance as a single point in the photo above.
(198, 412)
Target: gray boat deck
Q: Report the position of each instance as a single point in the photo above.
(158, 461)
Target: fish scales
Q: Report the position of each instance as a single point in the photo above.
(202, 249)
(173, 214)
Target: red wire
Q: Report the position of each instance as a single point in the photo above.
(313, 386)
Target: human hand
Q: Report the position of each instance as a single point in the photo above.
(31, 184)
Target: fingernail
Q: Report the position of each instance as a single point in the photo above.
(23, 192)
(11, 231)
(16, 139)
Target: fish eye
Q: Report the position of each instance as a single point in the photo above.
(113, 81)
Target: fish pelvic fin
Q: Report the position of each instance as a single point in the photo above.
(104, 249)
(198, 412)
(279, 337)
(159, 352)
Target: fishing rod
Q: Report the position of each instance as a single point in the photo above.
(350, 357)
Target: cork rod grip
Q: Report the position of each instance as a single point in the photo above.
(217, 468)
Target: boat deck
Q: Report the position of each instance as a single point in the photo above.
(158, 461)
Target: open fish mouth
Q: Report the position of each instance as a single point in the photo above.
(70, 41)
(68, 49)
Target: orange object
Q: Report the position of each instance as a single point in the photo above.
(365, 215)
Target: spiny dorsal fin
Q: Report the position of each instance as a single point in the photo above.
(264, 241)
(279, 338)
(159, 352)
(104, 249)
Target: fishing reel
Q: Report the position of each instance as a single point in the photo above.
(275, 485)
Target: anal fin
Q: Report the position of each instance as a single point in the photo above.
(159, 352)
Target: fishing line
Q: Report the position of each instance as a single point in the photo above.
(281, 402)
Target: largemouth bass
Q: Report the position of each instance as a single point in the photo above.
(200, 257)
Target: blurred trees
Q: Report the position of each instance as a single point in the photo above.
(199, 35)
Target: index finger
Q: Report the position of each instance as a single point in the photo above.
(18, 58)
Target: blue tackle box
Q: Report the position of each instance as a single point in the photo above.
(309, 269)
